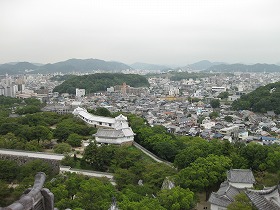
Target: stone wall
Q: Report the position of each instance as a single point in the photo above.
(21, 160)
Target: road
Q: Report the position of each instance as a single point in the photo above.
(32, 154)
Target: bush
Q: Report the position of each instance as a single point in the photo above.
(62, 148)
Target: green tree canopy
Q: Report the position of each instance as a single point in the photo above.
(204, 172)
(223, 95)
(62, 148)
(215, 103)
(241, 202)
(177, 198)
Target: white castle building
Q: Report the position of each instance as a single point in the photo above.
(110, 130)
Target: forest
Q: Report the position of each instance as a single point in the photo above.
(263, 99)
(100, 81)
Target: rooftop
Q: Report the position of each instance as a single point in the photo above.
(241, 176)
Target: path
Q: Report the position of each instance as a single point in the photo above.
(42, 155)
(153, 156)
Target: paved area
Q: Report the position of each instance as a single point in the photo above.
(97, 174)
(32, 154)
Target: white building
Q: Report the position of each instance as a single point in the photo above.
(219, 89)
(228, 131)
(110, 130)
(80, 92)
(94, 120)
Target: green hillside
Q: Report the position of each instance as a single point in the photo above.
(263, 99)
(99, 82)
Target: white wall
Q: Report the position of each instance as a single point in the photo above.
(114, 141)
(241, 185)
(215, 207)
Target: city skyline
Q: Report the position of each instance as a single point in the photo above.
(160, 32)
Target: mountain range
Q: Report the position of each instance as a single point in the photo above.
(147, 66)
(71, 65)
(89, 65)
(203, 65)
(244, 68)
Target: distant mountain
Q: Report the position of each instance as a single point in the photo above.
(204, 64)
(244, 68)
(81, 65)
(201, 65)
(16, 68)
(147, 66)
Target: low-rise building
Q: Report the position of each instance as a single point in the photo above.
(110, 130)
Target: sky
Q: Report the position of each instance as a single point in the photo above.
(168, 32)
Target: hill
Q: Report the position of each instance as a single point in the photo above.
(99, 82)
(77, 65)
(82, 65)
(244, 68)
(147, 66)
(263, 99)
(16, 68)
(202, 65)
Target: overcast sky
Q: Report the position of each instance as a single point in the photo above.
(175, 32)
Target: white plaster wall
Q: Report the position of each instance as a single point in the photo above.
(241, 185)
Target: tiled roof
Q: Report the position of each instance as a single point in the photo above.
(112, 133)
(219, 200)
(260, 202)
(109, 133)
(240, 176)
(225, 195)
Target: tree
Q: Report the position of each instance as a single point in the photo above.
(68, 161)
(72, 184)
(255, 154)
(228, 118)
(242, 202)
(188, 155)
(214, 115)
(215, 103)
(204, 173)
(4, 193)
(154, 174)
(8, 170)
(62, 132)
(223, 95)
(40, 133)
(126, 157)
(125, 177)
(99, 158)
(95, 194)
(177, 198)
(272, 161)
(166, 150)
(90, 153)
(102, 111)
(29, 109)
(60, 192)
(62, 148)
(74, 140)
(144, 204)
(31, 168)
